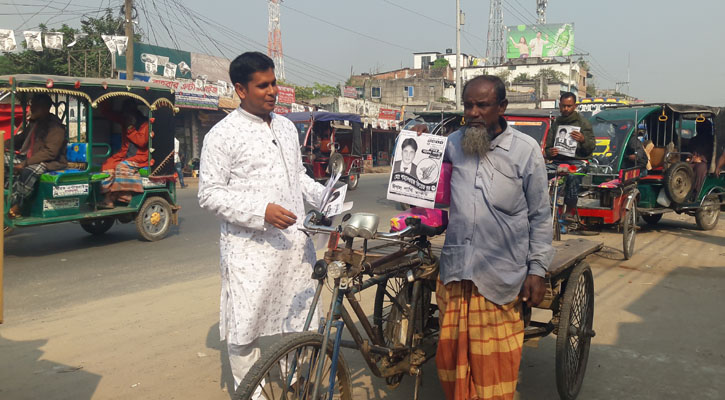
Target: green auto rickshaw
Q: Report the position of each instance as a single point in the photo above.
(74, 193)
(683, 144)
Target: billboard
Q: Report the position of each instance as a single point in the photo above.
(543, 40)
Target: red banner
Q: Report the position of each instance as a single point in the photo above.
(386, 113)
(286, 94)
(350, 92)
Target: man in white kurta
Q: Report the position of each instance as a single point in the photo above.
(247, 165)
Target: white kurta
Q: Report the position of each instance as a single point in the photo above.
(265, 271)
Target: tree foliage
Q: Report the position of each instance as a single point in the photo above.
(84, 55)
(314, 91)
(440, 63)
(550, 75)
(522, 77)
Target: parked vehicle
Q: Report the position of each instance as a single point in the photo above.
(674, 148)
(535, 123)
(73, 194)
(330, 143)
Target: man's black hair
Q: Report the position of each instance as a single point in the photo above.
(42, 99)
(498, 86)
(242, 68)
(568, 95)
(410, 142)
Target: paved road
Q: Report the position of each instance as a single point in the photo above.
(115, 318)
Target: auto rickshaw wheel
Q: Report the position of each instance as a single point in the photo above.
(652, 219)
(679, 180)
(98, 226)
(709, 213)
(353, 181)
(629, 231)
(154, 219)
(575, 331)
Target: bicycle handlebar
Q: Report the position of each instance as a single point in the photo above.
(315, 222)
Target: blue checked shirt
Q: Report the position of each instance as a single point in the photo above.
(499, 227)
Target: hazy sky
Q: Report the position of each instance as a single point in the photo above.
(673, 49)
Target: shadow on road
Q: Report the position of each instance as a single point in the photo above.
(673, 349)
(21, 361)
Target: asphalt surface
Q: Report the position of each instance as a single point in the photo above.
(114, 317)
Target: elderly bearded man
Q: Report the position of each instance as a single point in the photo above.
(497, 249)
(253, 179)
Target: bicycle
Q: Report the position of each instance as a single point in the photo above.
(403, 333)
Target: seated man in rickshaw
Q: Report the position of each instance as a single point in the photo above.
(635, 154)
(122, 167)
(701, 148)
(571, 141)
(41, 148)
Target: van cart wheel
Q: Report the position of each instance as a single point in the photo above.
(708, 214)
(98, 226)
(353, 181)
(629, 231)
(154, 219)
(652, 219)
(575, 331)
(679, 181)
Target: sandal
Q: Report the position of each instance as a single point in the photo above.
(13, 214)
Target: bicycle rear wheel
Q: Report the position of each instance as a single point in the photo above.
(288, 371)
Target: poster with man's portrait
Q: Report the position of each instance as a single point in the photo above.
(416, 168)
(7, 40)
(54, 40)
(33, 40)
(563, 140)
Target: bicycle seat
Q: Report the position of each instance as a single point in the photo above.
(434, 218)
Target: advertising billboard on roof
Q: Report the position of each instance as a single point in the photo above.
(543, 40)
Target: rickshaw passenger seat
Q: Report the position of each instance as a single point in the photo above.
(77, 152)
(657, 157)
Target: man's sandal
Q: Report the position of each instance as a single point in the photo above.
(12, 214)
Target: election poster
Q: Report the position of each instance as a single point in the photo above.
(416, 168)
(563, 140)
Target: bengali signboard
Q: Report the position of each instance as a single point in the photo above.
(349, 91)
(545, 40)
(285, 94)
(188, 95)
(386, 113)
(281, 110)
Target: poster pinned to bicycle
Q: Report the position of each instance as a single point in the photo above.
(416, 168)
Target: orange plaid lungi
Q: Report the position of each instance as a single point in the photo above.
(479, 350)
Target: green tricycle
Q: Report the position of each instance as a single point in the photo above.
(683, 144)
(74, 194)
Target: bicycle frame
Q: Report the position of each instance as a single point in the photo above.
(343, 270)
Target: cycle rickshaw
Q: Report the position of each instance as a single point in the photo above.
(402, 335)
(73, 194)
(609, 191)
(331, 143)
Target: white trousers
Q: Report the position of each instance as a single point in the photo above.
(241, 360)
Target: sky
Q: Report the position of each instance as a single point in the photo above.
(671, 46)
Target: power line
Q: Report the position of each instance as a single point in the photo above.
(348, 29)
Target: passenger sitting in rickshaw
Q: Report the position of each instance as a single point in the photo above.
(321, 142)
(701, 148)
(41, 148)
(635, 154)
(123, 166)
(573, 132)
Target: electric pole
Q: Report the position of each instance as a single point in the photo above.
(458, 54)
(128, 8)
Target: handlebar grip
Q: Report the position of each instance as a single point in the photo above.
(419, 228)
(320, 219)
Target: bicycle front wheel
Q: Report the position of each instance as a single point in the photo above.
(288, 369)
